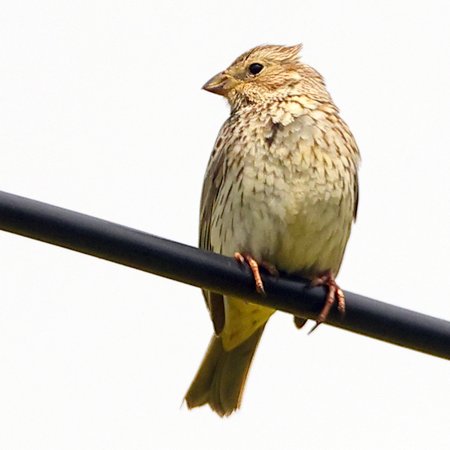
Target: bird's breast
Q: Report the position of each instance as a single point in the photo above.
(287, 196)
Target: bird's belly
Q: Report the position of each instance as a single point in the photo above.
(297, 225)
(314, 239)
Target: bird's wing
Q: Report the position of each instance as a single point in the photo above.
(214, 177)
(356, 196)
(353, 147)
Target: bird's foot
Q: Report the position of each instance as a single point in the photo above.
(334, 295)
(246, 258)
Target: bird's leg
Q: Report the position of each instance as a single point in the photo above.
(335, 294)
(246, 258)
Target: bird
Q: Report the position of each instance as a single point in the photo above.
(280, 193)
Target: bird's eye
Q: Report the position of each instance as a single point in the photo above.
(255, 68)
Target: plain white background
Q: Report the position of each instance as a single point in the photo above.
(101, 112)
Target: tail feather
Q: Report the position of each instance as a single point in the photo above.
(221, 377)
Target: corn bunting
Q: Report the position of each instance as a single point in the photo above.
(280, 191)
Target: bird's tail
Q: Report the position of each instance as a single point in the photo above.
(221, 377)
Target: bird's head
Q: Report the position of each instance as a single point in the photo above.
(262, 73)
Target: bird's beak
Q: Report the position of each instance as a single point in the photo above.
(219, 84)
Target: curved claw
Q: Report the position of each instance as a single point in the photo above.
(334, 295)
(246, 258)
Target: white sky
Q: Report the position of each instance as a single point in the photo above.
(101, 112)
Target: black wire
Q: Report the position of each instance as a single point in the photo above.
(190, 265)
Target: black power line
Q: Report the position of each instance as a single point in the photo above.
(218, 273)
